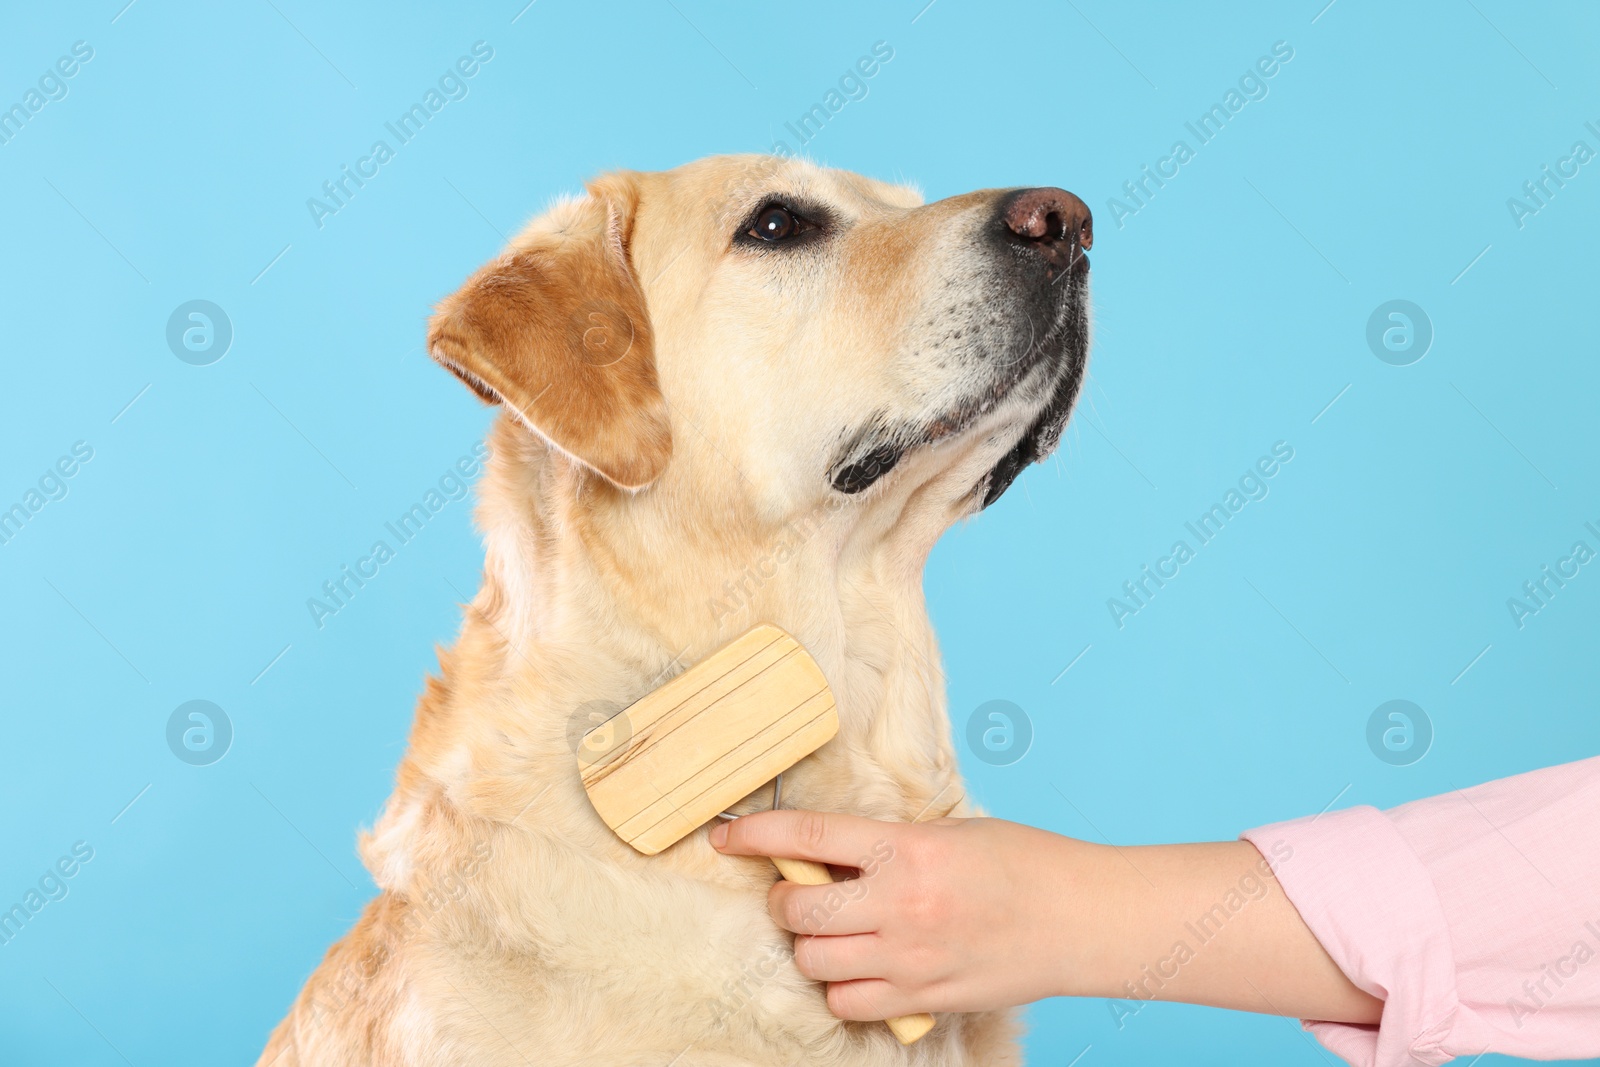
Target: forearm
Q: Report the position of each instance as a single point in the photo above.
(1200, 923)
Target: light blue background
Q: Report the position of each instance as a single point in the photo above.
(1230, 311)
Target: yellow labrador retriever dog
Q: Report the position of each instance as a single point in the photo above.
(746, 390)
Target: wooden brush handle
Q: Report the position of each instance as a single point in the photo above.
(803, 872)
(908, 1028)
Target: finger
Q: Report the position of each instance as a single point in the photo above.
(838, 908)
(827, 837)
(840, 959)
(871, 999)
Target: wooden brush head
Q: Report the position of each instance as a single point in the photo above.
(714, 734)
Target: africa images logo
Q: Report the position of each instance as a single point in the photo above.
(1152, 578)
(1251, 86)
(452, 85)
(453, 484)
(51, 87)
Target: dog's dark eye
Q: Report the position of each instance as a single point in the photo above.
(775, 223)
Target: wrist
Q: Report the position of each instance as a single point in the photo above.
(1088, 906)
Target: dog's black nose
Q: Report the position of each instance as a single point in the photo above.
(1053, 221)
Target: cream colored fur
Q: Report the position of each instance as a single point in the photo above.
(512, 927)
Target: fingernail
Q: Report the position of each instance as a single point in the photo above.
(719, 835)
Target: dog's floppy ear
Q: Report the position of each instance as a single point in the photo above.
(556, 328)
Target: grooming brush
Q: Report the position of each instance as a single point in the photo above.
(680, 755)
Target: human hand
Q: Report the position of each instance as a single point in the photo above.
(949, 915)
(974, 914)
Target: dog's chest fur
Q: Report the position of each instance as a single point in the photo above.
(516, 926)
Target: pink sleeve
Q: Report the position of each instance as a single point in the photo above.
(1474, 916)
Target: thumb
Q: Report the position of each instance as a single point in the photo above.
(826, 837)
